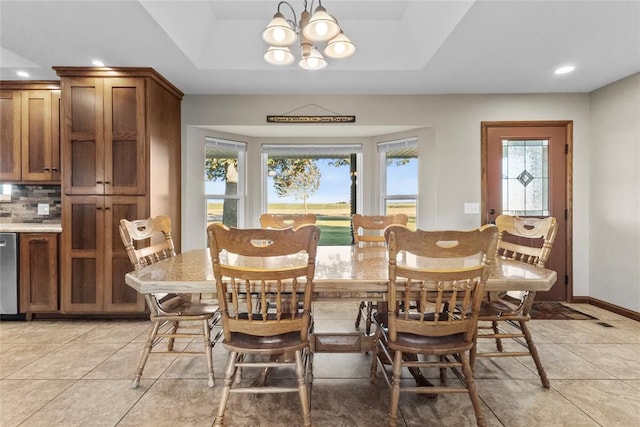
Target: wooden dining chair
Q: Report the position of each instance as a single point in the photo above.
(277, 221)
(527, 240)
(433, 307)
(264, 282)
(173, 316)
(368, 230)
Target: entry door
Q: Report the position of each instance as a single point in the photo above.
(526, 171)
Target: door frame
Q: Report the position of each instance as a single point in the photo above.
(568, 125)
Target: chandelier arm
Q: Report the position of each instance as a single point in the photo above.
(293, 12)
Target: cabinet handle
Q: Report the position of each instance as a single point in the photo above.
(107, 182)
(47, 169)
(54, 169)
(38, 240)
(99, 182)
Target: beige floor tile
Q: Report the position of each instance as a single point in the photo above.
(93, 403)
(525, 403)
(181, 402)
(123, 364)
(115, 331)
(610, 403)
(14, 357)
(619, 360)
(19, 399)
(70, 361)
(560, 362)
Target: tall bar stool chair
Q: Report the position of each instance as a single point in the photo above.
(265, 306)
(368, 230)
(433, 307)
(172, 315)
(277, 221)
(527, 240)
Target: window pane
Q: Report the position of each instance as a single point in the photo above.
(224, 172)
(525, 177)
(221, 171)
(405, 206)
(222, 210)
(312, 182)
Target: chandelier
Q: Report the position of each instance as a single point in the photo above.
(281, 34)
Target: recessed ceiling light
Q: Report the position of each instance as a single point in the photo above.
(98, 63)
(22, 73)
(565, 69)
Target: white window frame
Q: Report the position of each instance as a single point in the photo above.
(383, 149)
(241, 149)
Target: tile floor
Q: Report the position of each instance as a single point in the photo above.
(78, 373)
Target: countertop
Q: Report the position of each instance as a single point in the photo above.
(29, 227)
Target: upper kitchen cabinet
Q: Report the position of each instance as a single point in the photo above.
(104, 135)
(30, 131)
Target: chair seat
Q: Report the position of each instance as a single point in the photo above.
(430, 345)
(267, 345)
(500, 307)
(179, 306)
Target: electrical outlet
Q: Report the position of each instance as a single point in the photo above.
(471, 208)
(43, 209)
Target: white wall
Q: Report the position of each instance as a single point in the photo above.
(615, 193)
(448, 127)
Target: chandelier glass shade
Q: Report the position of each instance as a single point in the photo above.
(320, 27)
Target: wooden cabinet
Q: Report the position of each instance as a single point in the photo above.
(104, 136)
(120, 139)
(94, 260)
(10, 168)
(30, 131)
(38, 272)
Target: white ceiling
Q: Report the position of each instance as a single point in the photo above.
(404, 46)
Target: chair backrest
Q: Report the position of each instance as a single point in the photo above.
(370, 228)
(436, 280)
(527, 232)
(262, 276)
(156, 231)
(278, 221)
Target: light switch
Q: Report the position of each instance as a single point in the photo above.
(43, 209)
(472, 208)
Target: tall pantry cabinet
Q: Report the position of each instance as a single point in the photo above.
(120, 137)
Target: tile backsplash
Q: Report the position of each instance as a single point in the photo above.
(19, 203)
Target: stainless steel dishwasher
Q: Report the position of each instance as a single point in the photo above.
(8, 273)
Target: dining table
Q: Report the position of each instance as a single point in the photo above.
(341, 273)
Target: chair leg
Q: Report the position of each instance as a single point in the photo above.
(395, 389)
(373, 372)
(473, 390)
(145, 354)
(359, 316)
(228, 380)
(369, 317)
(534, 354)
(206, 332)
(303, 390)
(496, 330)
(172, 330)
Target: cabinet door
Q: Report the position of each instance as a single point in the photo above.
(124, 126)
(82, 136)
(38, 273)
(118, 296)
(10, 135)
(82, 266)
(36, 135)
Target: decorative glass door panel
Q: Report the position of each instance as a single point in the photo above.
(525, 177)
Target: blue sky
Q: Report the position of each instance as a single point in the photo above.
(335, 184)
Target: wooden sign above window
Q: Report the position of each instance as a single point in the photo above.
(311, 119)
